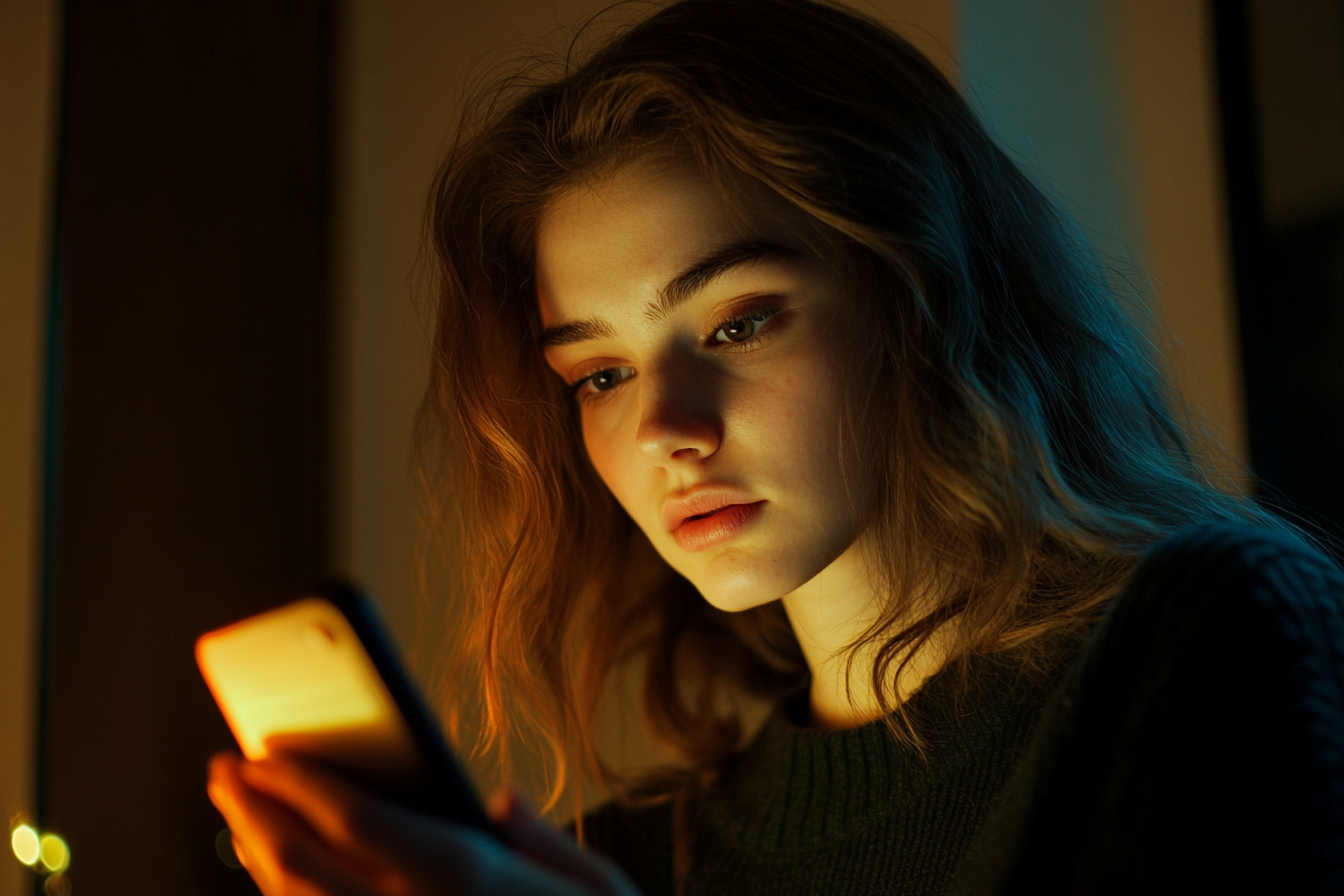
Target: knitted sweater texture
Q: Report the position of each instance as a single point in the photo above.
(1195, 744)
(805, 811)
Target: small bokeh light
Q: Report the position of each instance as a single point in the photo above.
(26, 844)
(55, 854)
(48, 854)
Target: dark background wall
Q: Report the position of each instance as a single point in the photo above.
(188, 461)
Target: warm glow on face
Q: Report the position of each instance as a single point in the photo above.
(25, 843)
(54, 853)
(711, 347)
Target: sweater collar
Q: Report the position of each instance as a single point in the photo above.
(796, 786)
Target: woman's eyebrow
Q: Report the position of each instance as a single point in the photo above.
(715, 265)
(575, 332)
(678, 289)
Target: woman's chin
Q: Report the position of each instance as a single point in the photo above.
(735, 602)
(734, 590)
(747, 577)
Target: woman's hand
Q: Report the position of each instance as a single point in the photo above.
(301, 831)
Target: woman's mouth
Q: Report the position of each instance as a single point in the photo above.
(703, 530)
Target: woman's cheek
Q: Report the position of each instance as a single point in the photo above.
(611, 451)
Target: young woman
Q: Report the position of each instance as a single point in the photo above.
(759, 369)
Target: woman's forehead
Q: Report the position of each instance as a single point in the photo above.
(634, 229)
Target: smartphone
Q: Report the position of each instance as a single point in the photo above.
(320, 680)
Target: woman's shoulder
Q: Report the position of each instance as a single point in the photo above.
(1216, 589)
(1222, 548)
(1203, 720)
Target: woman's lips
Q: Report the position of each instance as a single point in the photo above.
(700, 532)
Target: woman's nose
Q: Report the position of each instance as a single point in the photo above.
(679, 421)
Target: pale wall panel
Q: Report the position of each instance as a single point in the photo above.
(1110, 105)
(1167, 61)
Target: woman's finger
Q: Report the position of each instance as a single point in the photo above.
(337, 811)
(400, 844)
(428, 855)
(401, 850)
(397, 839)
(281, 853)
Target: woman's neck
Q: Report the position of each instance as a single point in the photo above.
(828, 614)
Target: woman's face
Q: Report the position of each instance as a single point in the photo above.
(710, 350)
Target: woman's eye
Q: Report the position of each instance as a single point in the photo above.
(604, 379)
(740, 329)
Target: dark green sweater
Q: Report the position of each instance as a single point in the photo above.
(1196, 745)
(807, 811)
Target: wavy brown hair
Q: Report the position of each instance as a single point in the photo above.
(1024, 439)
